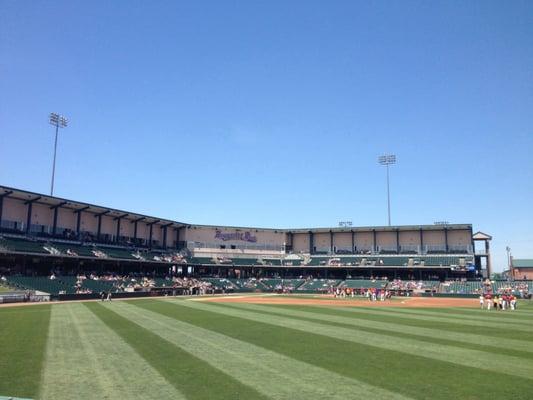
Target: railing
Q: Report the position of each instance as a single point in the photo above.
(435, 248)
(40, 229)
(409, 248)
(460, 248)
(12, 225)
(343, 250)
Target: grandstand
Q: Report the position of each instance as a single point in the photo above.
(42, 235)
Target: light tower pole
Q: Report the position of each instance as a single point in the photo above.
(509, 262)
(58, 121)
(387, 160)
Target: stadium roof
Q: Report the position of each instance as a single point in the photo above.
(53, 202)
(522, 263)
(382, 228)
(481, 236)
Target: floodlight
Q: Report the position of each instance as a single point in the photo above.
(59, 121)
(387, 159)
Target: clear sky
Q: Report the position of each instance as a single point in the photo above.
(273, 113)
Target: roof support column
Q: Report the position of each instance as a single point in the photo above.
(311, 242)
(151, 225)
(177, 230)
(331, 244)
(446, 238)
(54, 225)
(472, 241)
(135, 223)
(489, 263)
(421, 240)
(374, 241)
(398, 241)
(353, 241)
(28, 219)
(99, 229)
(2, 204)
(30, 206)
(78, 223)
(290, 240)
(165, 234)
(56, 212)
(117, 236)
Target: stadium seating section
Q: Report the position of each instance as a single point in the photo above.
(392, 261)
(76, 249)
(23, 245)
(319, 285)
(67, 285)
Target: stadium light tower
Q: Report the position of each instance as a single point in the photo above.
(387, 160)
(508, 250)
(58, 121)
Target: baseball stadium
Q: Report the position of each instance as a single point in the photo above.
(266, 200)
(107, 303)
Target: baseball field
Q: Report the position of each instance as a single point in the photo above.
(253, 348)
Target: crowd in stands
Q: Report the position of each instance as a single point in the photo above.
(517, 288)
(398, 284)
(136, 282)
(372, 294)
(91, 283)
(99, 253)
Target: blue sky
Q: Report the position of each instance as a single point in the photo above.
(273, 113)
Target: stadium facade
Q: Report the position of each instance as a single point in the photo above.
(520, 269)
(39, 232)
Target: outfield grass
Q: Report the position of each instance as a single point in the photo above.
(180, 349)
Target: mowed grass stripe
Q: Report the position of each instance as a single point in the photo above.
(273, 374)
(522, 315)
(501, 333)
(524, 309)
(461, 356)
(87, 360)
(495, 339)
(23, 335)
(519, 315)
(408, 374)
(325, 315)
(486, 316)
(195, 378)
(498, 335)
(488, 325)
